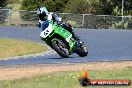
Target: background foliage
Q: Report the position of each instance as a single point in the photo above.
(3, 3)
(103, 7)
(52, 5)
(96, 7)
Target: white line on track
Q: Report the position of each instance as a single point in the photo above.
(50, 52)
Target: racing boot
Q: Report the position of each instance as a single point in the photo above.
(77, 38)
(69, 28)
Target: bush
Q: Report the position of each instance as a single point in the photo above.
(81, 6)
(3, 3)
(52, 6)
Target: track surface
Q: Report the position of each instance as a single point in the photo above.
(103, 45)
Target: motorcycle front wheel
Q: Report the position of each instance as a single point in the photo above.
(60, 48)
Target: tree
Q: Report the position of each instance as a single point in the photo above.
(113, 7)
(3, 3)
(52, 5)
(30, 4)
(82, 6)
(56, 5)
(106, 7)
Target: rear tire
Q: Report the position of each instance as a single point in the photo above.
(82, 51)
(60, 48)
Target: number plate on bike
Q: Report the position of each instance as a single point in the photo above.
(46, 32)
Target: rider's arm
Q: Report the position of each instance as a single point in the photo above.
(56, 19)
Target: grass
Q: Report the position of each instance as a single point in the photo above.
(14, 47)
(68, 79)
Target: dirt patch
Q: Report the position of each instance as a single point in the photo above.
(20, 71)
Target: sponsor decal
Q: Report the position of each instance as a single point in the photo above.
(86, 81)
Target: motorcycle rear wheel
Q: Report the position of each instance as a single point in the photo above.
(82, 51)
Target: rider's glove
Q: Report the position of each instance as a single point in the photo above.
(59, 22)
(39, 24)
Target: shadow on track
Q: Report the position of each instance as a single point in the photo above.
(62, 58)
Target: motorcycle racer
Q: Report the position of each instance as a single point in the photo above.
(45, 17)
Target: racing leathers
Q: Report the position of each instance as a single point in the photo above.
(44, 22)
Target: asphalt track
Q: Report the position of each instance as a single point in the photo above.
(103, 45)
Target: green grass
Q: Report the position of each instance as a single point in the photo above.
(15, 47)
(68, 79)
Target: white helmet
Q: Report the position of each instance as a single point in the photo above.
(42, 11)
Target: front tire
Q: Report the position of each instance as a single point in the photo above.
(60, 48)
(82, 50)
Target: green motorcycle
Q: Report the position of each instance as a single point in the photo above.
(62, 41)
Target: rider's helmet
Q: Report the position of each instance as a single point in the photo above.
(42, 12)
